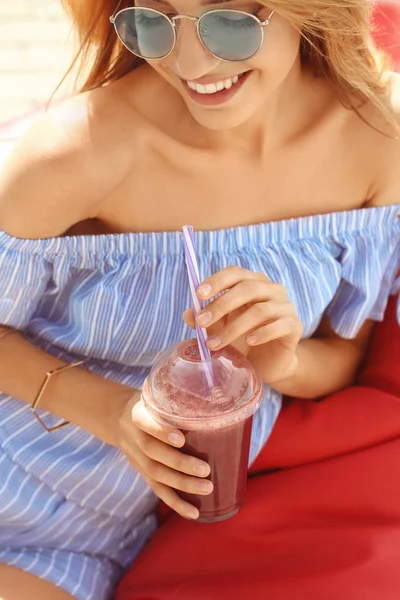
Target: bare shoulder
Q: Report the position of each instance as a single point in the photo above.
(59, 172)
(387, 149)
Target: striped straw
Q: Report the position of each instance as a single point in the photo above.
(198, 305)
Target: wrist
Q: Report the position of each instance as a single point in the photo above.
(287, 375)
(117, 406)
(90, 402)
(271, 373)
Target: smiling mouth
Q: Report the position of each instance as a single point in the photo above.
(217, 92)
(215, 87)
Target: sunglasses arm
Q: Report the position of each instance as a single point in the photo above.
(112, 18)
(266, 22)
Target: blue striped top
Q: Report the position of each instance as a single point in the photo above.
(117, 301)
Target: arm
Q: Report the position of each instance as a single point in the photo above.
(56, 178)
(325, 363)
(39, 198)
(93, 403)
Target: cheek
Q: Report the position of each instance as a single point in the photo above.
(164, 67)
(280, 50)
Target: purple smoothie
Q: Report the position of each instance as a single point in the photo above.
(226, 450)
(216, 421)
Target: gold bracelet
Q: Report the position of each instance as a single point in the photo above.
(5, 331)
(42, 390)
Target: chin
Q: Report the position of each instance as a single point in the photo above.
(221, 120)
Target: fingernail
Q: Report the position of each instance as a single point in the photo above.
(176, 439)
(204, 289)
(214, 341)
(204, 486)
(201, 468)
(204, 318)
(252, 338)
(192, 513)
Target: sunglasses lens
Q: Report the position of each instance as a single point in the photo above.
(145, 32)
(230, 35)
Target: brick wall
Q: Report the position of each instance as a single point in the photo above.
(36, 48)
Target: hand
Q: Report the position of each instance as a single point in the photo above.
(151, 449)
(255, 316)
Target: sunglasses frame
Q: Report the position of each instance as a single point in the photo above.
(197, 20)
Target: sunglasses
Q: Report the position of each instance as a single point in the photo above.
(229, 35)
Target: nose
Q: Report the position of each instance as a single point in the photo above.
(191, 59)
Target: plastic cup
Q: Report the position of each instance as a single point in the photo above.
(216, 421)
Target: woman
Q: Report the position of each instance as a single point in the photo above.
(272, 129)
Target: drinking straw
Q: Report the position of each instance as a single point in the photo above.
(198, 305)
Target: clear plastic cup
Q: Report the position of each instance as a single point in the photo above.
(216, 420)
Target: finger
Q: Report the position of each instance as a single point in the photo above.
(255, 317)
(174, 479)
(189, 318)
(285, 327)
(174, 459)
(245, 292)
(225, 279)
(171, 499)
(145, 422)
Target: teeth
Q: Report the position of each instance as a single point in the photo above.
(212, 88)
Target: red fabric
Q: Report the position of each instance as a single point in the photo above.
(322, 516)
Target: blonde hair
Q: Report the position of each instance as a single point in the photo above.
(336, 43)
